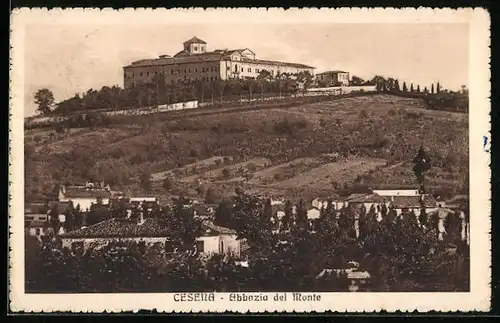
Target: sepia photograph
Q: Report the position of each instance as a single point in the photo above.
(259, 161)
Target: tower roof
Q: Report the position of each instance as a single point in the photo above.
(195, 40)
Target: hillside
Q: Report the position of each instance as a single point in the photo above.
(370, 140)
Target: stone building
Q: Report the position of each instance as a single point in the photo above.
(333, 78)
(195, 63)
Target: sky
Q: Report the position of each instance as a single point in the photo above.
(69, 59)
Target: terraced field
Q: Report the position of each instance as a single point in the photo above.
(284, 144)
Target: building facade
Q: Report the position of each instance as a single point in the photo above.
(194, 63)
(333, 78)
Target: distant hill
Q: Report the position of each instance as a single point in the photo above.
(374, 138)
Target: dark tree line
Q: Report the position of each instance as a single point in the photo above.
(159, 92)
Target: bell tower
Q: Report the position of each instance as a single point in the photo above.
(195, 46)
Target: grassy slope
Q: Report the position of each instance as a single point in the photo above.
(378, 126)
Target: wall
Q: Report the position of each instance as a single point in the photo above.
(173, 73)
(252, 69)
(231, 244)
(211, 244)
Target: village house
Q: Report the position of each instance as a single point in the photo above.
(214, 240)
(333, 78)
(219, 240)
(38, 217)
(320, 202)
(39, 228)
(457, 202)
(397, 192)
(413, 203)
(148, 231)
(85, 196)
(204, 211)
(36, 212)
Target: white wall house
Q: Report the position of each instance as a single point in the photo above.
(397, 192)
(215, 240)
(218, 240)
(313, 213)
(140, 199)
(83, 196)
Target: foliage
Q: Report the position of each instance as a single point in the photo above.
(44, 99)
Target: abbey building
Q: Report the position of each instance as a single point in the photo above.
(194, 63)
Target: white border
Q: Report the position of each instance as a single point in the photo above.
(479, 85)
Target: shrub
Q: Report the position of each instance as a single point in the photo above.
(363, 114)
(392, 112)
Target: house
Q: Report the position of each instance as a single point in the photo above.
(214, 240)
(204, 211)
(219, 240)
(84, 196)
(357, 278)
(320, 203)
(38, 228)
(151, 199)
(313, 213)
(397, 192)
(415, 203)
(457, 202)
(357, 201)
(36, 212)
(333, 78)
(148, 231)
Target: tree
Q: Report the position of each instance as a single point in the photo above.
(168, 183)
(432, 88)
(223, 215)
(422, 164)
(213, 195)
(438, 87)
(288, 217)
(405, 88)
(411, 88)
(301, 220)
(226, 173)
(418, 88)
(264, 75)
(145, 181)
(44, 98)
(396, 85)
(355, 80)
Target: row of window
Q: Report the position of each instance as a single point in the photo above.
(178, 71)
(205, 78)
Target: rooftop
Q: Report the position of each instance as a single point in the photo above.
(122, 228)
(332, 72)
(195, 40)
(413, 201)
(207, 57)
(86, 192)
(207, 225)
(36, 208)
